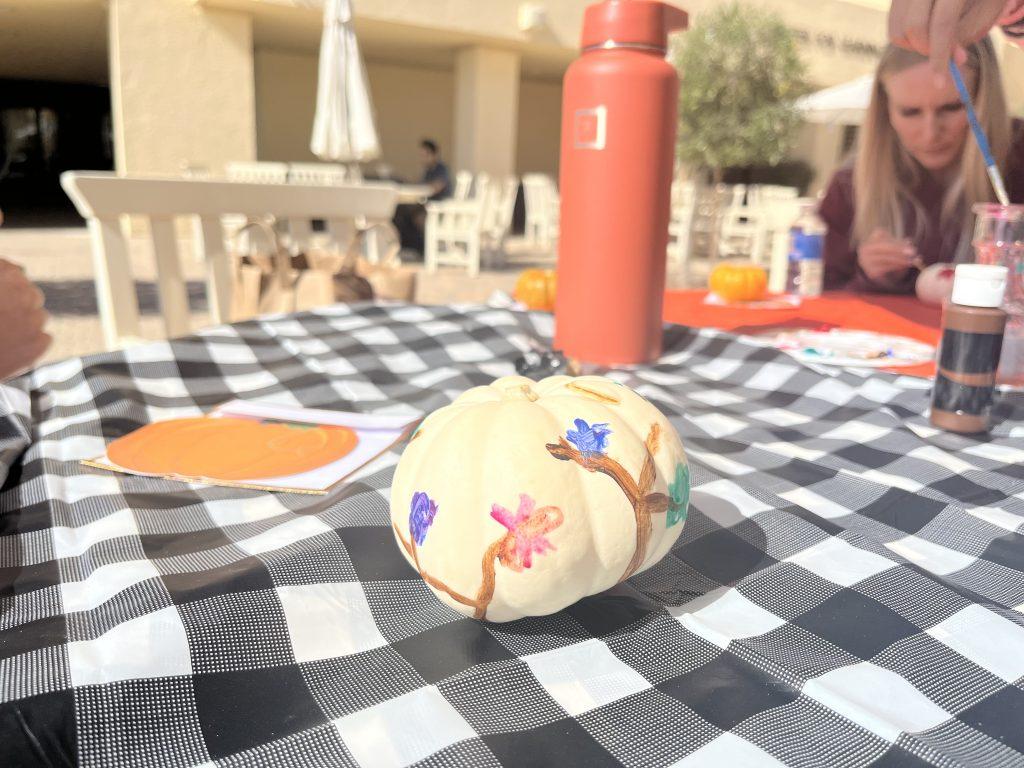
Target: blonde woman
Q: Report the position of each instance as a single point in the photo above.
(906, 200)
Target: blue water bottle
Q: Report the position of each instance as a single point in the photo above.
(805, 269)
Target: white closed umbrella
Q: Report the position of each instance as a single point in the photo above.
(343, 128)
(844, 104)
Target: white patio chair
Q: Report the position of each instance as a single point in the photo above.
(452, 234)
(325, 174)
(459, 232)
(498, 212)
(481, 185)
(542, 209)
(763, 194)
(196, 171)
(257, 172)
(711, 206)
(463, 184)
(103, 198)
(743, 233)
(680, 226)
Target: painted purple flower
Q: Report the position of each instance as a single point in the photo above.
(526, 528)
(421, 515)
(589, 438)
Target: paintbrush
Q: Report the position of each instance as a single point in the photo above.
(979, 135)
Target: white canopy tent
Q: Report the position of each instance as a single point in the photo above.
(343, 128)
(844, 104)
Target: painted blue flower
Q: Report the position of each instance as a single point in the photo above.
(421, 515)
(678, 496)
(589, 438)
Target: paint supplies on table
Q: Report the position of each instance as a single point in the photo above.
(999, 239)
(972, 337)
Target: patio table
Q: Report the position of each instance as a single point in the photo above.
(413, 193)
(848, 589)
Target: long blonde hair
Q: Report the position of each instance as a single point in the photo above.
(885, 174)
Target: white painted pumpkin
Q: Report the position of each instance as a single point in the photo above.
(522, 497)
(935, 283)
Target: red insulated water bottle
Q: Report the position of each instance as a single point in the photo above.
(618, 141)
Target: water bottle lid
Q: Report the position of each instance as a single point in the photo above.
(631, 23)
(979, 285)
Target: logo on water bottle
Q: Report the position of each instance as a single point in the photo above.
(589, 127)
(804, 245)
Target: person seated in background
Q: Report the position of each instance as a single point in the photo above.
(410, 218)
(22, 321)
(435, 172)
(905, 202)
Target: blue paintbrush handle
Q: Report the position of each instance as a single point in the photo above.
(965, 97)
(979, 134)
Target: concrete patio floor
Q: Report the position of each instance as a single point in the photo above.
(59, 260)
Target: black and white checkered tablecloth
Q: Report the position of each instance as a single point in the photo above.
(848, 589)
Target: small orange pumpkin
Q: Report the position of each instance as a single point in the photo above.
(536, 289)
(230, 449)
(738, 281)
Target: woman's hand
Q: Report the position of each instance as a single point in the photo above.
(883, 258)
(938, 28)
(22, 317)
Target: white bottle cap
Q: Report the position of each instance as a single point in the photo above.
(979, 285)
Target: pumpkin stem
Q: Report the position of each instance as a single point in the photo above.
(524, 391)
(592, 393)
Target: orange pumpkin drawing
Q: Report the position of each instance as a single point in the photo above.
(230, 449)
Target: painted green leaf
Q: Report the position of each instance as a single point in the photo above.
(678, 496)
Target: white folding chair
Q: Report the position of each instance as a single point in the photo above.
(325, 174)
(103, 198)
(499, 212)
(463, 183)
(711, 205)
(680, 226)
(742, 233)
(257, 172)
(458, 232)
(542, 208)
(481, 184)
(763, 194)
(453, 234)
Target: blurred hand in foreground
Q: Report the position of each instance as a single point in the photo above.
(22, 318)
(939, 29)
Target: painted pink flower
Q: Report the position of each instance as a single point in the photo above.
(526, 532)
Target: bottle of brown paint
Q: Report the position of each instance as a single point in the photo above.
(972, 338)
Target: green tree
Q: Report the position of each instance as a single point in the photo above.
(740, 74)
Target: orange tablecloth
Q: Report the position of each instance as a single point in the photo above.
(898, 315)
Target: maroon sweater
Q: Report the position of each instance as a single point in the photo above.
(937, 244)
